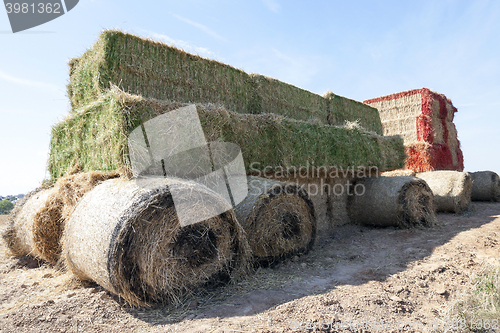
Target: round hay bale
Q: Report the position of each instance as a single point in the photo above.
(48, 222)
(404, 202)
(278, 218)
(19, 233)
(485, 186)
(128, 239)
(451, 189)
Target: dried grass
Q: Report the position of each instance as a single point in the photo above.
(451, 189)
(94, 138)
(278, 218)
(485, 186)
(145, 67)
(404, 202)
(399, 173)
(19, 233)
(128, 239)
(478, 310)
(49, 220)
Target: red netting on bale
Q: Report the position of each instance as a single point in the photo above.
(419, 157)
(441, 157)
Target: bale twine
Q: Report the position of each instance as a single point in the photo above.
(19, 233)
(278, 218)
(48, 222)
(129, 240)
(485, 186)
(451, 189)
(404, 202)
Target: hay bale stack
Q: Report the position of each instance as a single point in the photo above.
(19, 234)
(95, 138)
(128, 239)
(404, 202)
(278, 218)
(425, 121)
(451, 189)
(154, 70)
(49, 220)
(485, 186)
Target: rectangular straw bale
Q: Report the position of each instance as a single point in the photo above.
(343, 109)
(423, 118)
(95, 138)
(151, 69)
(289, 101)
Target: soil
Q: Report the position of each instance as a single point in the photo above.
(394, 280)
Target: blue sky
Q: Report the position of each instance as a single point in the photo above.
(357, 49)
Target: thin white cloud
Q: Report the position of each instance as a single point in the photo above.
(272, 5)
(186, 46)
(26, 82)
(200, 26)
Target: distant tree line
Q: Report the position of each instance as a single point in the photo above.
(7, 203)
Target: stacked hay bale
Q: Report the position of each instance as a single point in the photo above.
(151, 69)
(485, 186)
(425, 120)
(95, 138)
(399, 201)
(125, 80)
(451, 189)
(106, 240)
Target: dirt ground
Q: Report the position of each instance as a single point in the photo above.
(363, 279)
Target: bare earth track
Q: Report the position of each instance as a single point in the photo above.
(381, 276)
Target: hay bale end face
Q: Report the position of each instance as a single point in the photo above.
(128, 239)
(278, 219)
(37, 224)
(451, 189)
(485, 186)
(49, 220)
(19, 234)
(404, 202)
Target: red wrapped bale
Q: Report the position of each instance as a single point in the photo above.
(425, 121)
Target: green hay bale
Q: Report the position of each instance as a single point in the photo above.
(289, 101)
(154, 70)
(342, 109)
(95, 138)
